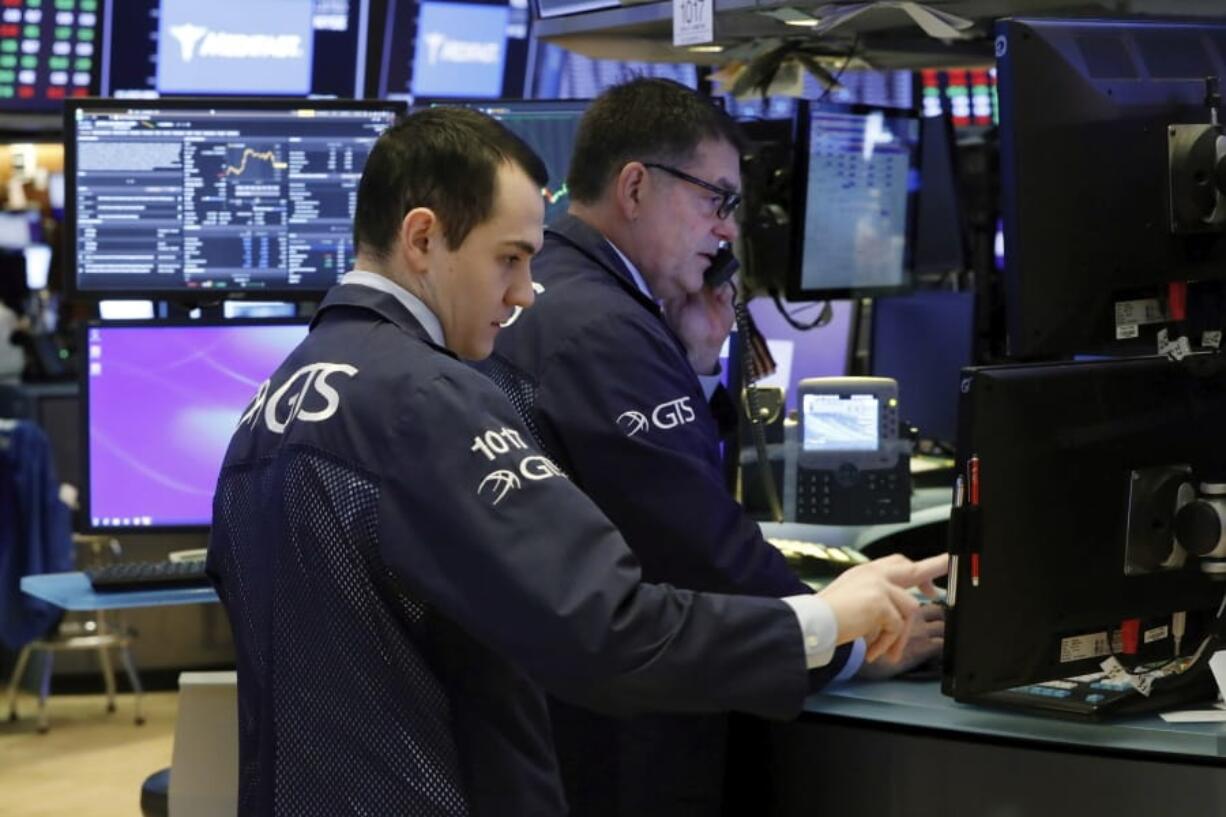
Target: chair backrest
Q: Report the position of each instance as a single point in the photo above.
(35, 530)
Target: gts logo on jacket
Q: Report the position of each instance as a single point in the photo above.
(289, 402)
(665, 416)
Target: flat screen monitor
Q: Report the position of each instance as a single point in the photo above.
(923, 340)
(824, 351)
(160, 403)
(853, 201)
(1085, 110)
(1070, 530)
(200, 199)
(296, 47)
(967, 95)
(549, 127)
(48, 53)
(471, 49)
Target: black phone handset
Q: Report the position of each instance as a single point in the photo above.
(723, 266)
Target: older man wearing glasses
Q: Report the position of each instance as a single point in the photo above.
(615, 369)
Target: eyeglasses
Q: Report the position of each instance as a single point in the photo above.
(729, 199)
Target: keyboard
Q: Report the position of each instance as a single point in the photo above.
(1095, 697)
(147, 575)
(811, 560)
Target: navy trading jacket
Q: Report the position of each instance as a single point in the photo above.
(402, 567)
(606, 386)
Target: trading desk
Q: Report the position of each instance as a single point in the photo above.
(896, 748)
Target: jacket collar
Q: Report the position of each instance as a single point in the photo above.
(381, 303)
(591, 242)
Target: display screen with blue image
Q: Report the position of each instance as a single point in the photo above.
(235, 46)
(461, 50)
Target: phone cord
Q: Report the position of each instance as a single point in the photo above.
(753, 405)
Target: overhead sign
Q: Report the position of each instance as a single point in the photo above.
(693, 22)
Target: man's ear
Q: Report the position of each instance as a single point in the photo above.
(629, 188)
(420, 235)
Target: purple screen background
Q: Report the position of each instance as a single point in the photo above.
(163, 403)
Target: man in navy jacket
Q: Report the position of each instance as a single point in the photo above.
(404, 569)
(613, 369)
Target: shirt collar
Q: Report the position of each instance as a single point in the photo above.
(634, 271)
(417, 308)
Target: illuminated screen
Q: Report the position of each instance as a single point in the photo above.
(840, 422)
(47, 52)
(200, 197)
(859, 178)
(162, 402)
(304, 47)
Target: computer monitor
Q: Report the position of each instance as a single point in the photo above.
(160, 404)
(923, 340)
(824, 351)
(47, 53)
(1067, 526)
(967, 96)
(1085, 110)
(549, 127)
(200, 199)
(853, 201)
(468, 49)
(163, 47)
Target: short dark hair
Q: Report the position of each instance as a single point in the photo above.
(645, 119)
(446, 159)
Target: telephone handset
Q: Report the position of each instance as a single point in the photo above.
(723, 266)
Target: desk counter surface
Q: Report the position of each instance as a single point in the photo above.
(920, 705)
(72, 591)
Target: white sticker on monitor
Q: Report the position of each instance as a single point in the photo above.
(1081, 647)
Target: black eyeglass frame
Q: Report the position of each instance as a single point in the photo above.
(730, 199)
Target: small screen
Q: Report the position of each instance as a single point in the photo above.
(162, 403)
(47, 52)
(840, 422)
(203, 195)
(861, 172)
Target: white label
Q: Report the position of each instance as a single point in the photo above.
(1211, 340)
(1176, 349)
(1127, 331)
(693, 22)
(1156, 634)
(1081, 647)
(1146, 310)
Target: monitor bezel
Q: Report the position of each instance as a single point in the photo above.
(795, 290)
(183, 295)
(84, 520)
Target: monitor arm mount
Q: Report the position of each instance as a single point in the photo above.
(1197, 170)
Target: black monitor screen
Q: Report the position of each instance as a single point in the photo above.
(298, 47)
(549, 127)
(1073, 480)
(161, 402)
(853, 202)
(1086, 107)
(940, 246)
(48, 52)
(923, 340)
(183, 199)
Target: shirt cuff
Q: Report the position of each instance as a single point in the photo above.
(818, 627)
(854, 662)
(710, 382)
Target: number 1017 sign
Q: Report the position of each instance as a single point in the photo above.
(693, 22)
